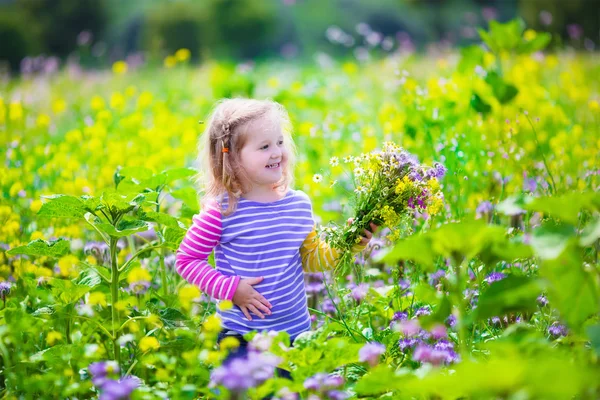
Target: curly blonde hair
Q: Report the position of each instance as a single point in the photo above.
(220, 171)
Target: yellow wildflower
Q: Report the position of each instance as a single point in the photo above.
(138, 274)
(148, 343)
(119, 67)
(53, 337)
(183, 55)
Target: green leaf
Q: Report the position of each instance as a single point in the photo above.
(511, 294)
(479, 105)
(54, 248)
(539, 42)
(378, 381)
(415, 248)
(189, 196)
(66, 292)
(549, 241)
(161, 218)
(503, 36)
(125, 227)
(571, 289)
(470, 57)
(173, 237)
(566, 207)
(593, 333)
(120, 203)
(502, 91)
(512, 205)
(590, 233)
(178, 173)
(64, 206)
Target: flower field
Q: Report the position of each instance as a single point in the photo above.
(493, 291)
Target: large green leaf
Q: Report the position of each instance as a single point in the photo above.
(66, 292)
(590, 233)
(503, 36)
(479, 105)
(415, 248)
(54, 248)
(189, 196)
(503, 91)
(378, 381)
(550, 240)
(125, 227)
(539, 42)
(571, 289)
(64, 206)
(511, 294)
(161, 218)
(566, 207)
(119, 203)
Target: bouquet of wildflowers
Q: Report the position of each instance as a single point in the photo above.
(390, 185)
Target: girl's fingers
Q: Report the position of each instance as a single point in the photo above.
(367, 235)
(261, 298)
(262, 307)
(255, 311)
(245, 311)
(374, 227)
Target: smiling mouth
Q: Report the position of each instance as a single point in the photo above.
(275, 165)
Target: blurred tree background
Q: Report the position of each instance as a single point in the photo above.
(97, 32)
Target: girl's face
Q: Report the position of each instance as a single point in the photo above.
(264, 155)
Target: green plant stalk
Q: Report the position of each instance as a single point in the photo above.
(537, 142)
(163, 272)
(459, 288)
(114, 290)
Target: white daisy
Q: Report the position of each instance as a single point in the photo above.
(317, 178)
(359, 171)
(334, 161)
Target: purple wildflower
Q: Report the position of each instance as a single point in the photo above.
(438, 331)
(484, 208)
(315, 287)
(494, 277)
(410, 328)
(327, 306)
(407, 343)
(5, 289)
(118, 390)
(322, 382)
(100, 370)
(435, 277)
(370, 353)
(404, 284)
(360, 291)
(140, 287)
(425, 310)
(451, 321)
(242, 373)
(400, 316)
(557, 330)
(542, 300)
(425, 353)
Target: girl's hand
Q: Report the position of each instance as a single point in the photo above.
(248, 299)
(366, 236)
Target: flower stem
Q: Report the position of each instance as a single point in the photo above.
(114, 290)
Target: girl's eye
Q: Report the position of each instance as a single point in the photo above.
(264, 147)
(280, 142)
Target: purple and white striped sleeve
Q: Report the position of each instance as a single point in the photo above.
(191, 257)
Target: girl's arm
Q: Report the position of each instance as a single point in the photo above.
(191, 257)
(317, 255)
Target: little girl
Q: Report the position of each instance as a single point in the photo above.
(261, 230)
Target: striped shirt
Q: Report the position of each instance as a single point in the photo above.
(275, 240)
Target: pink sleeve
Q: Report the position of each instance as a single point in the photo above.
(196, 246)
